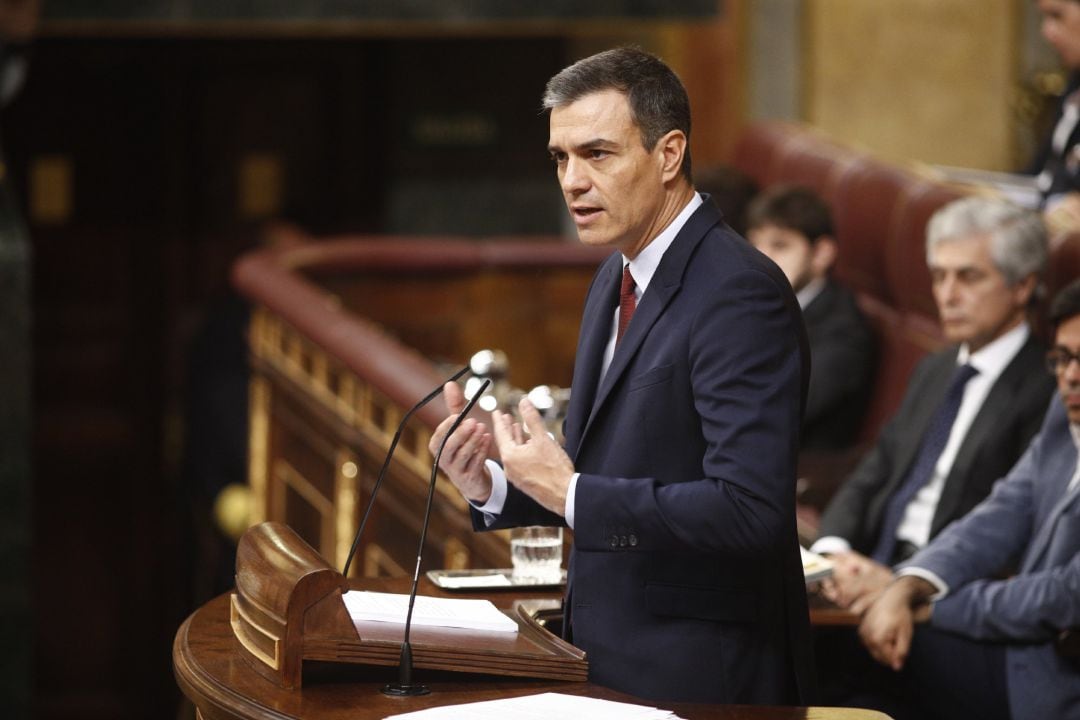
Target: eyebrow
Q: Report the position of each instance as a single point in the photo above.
(596, 143)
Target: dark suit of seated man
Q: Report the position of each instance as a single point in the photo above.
(986, 649)
(969, 411)
(793, 227)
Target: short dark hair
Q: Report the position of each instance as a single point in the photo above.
(1065, 305)
(791, 207)
(657, 98)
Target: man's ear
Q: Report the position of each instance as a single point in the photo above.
(1025, 289)
(671, 148)
(823, 255)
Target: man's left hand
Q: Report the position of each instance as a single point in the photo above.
(533, 461)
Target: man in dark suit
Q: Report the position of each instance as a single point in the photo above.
(969, 411)
(988, 648)
(793, 227)
(1056, 165)
(678, 471)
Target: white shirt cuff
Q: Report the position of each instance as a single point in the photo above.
(830, 545)
(495, 502)
(930, 577)
(571, 490)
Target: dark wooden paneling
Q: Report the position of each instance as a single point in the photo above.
(428, 10)
(154, 133)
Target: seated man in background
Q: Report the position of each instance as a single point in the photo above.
(969, 411)
(792, 226)
(988, 650)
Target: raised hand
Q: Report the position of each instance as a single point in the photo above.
(533, 461)
(465, 452)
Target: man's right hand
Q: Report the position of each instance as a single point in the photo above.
(465, 452)
(888, 626)
(856, 580)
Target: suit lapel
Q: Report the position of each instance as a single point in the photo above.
(1056, 476)
(595, 332)
(662, 288)
(929, 398)
(996, 406)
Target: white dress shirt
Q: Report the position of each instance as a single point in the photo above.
(642, 269)
(810, 291)
(990, 361)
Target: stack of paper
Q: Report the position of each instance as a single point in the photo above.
(541, 707)
(428, 611)
(815, 567)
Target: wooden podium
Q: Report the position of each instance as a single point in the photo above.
(241, 656)
(288, 608)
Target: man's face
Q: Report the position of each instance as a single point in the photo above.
(788, 248)
(975, 301)
(1061, 28)
(1068, 338)
(613, 187)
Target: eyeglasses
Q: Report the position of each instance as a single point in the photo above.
(1058, 359)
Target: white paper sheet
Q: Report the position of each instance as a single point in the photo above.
(541, 707)
(474, 581)
(815, 567)
(428, 611)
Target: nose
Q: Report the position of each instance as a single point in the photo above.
(945, 289)
(1072, 370)
(575, 179)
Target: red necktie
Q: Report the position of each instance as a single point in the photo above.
(627, 302)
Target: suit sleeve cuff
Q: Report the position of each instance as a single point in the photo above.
(571, 492)
(931, 577)
(495, 502)
(830, 545)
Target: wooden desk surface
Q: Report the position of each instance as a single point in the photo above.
(824, 612)
(223, 687)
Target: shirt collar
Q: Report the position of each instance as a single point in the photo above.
(810, 291)
(643, 267)
(992, 359)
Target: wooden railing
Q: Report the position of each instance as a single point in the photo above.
(332, 374)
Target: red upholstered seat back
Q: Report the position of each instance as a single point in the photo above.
(880, 211)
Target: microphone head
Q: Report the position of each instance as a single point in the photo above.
(490, 363)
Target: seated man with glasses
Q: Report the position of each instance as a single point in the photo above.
(987, 646)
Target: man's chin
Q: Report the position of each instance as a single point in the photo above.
(956, 332)
(593, 238)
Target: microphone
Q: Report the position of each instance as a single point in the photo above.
(386, 463)
(404, 686)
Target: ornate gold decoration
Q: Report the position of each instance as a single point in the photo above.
(345, 502)
(258, 445)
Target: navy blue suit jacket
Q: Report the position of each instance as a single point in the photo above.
(685, 581)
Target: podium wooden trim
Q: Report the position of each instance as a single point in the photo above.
(288, 607)
(223, 686)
